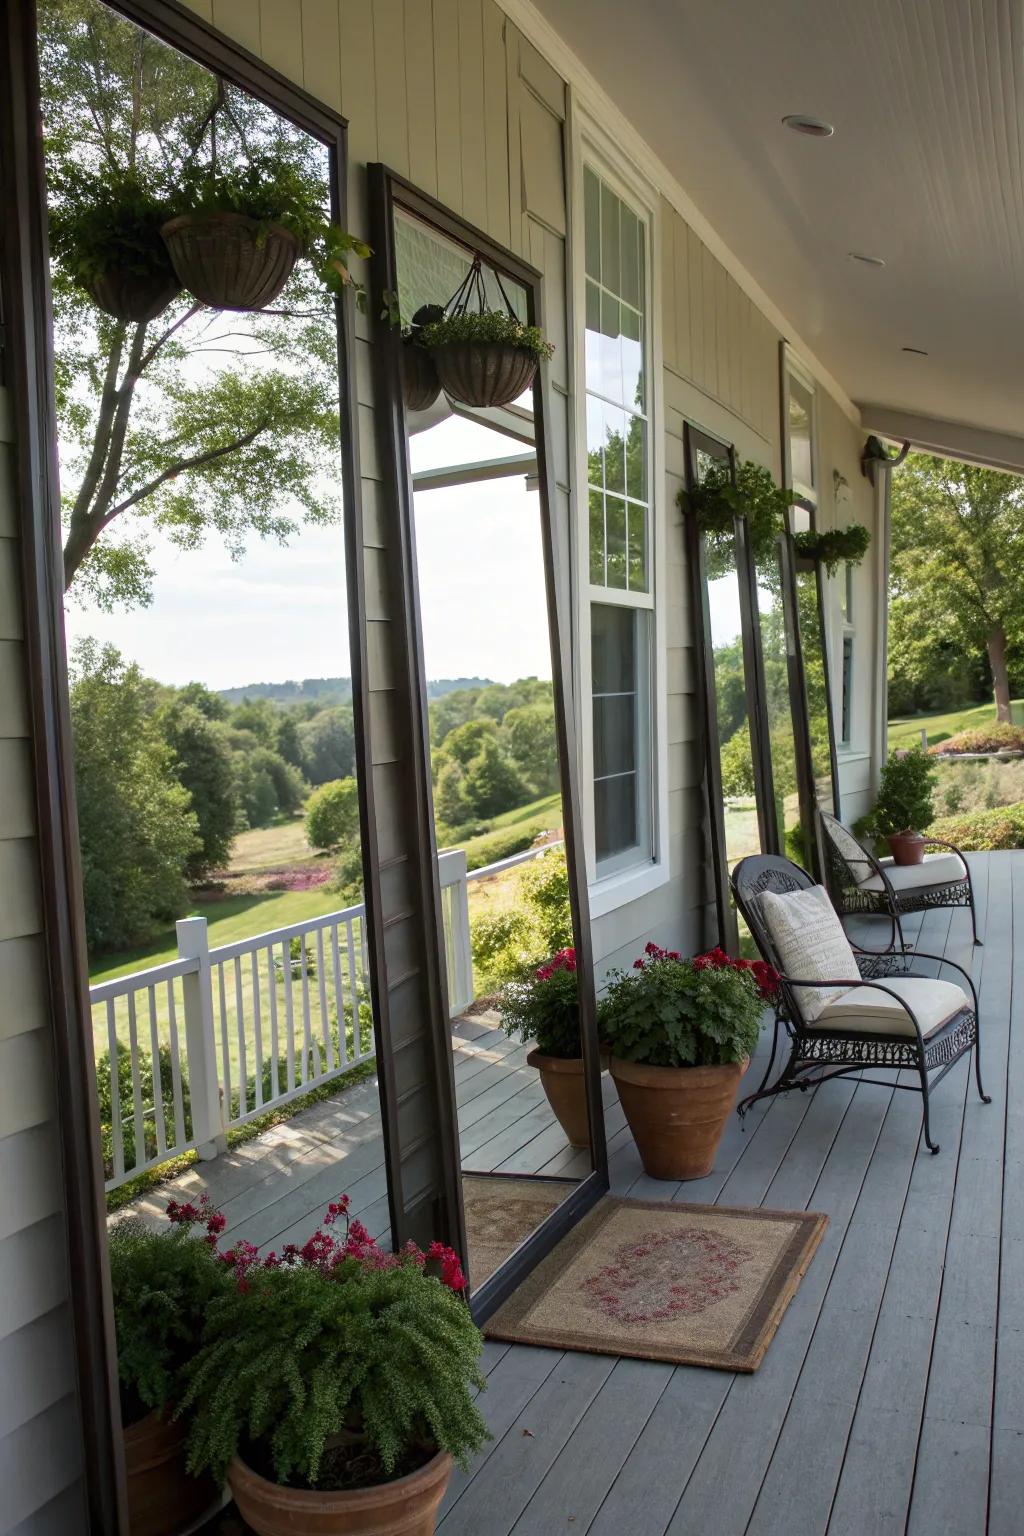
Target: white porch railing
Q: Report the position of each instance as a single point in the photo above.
(191, 1048)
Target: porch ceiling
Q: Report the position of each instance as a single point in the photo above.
(926, 169)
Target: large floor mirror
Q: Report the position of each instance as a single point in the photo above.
(492, 635)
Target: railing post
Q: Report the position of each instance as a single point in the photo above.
(459, 940)
(204, 1086)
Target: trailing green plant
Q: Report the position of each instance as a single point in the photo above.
(336, 1365)
(671, 1012)
(832, 547)
(717, 501)
(546, 1007)
(163, 1282)
(495, 326)
(905, 800)
(273, 190)
(997, 737)
(102, 223)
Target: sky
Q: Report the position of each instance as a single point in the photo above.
(280, 612)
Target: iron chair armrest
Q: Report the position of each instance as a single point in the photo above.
(878, 986)
(920, 954)
(940, 842)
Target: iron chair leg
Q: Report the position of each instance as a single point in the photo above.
(986, 1098)
(931, 1145)
(974, 915)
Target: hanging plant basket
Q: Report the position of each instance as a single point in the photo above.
(229, 261)
(420, 383)
(483, 356)
(832, 547)
(132, 296)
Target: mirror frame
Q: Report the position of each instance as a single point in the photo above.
(387, 190)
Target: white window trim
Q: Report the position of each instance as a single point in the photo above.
(793, 367)
(589, 142)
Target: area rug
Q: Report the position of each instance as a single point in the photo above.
(501, 1213)
(691, 1284)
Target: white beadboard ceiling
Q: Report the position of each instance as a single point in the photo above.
(924, 169)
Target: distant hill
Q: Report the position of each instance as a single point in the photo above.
(333, 690)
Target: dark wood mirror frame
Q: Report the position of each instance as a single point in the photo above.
(388, 190)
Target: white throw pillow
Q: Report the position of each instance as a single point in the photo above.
(810, 942)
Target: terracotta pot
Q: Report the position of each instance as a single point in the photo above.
(162, 1498)
(563, 1082)
(677, 1114)
(133, 296)
(406, 1507)
(906, 847)
(420, 383)
(484, 372)
(222, 260)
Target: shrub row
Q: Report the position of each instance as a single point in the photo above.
(983, 831)
(983, 738)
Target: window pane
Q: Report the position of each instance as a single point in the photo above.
(636, 537)
(629, 245)
(611, 265)
(632, 360)
(801, 416)
(592, 221)
(636, 459)
(847, 688)
(615, 449)
(622, 744)
(595, 442)
(615, 524)
(615, 816)
(597, 538)
(614, 734)
(612, 644)
(609, 381)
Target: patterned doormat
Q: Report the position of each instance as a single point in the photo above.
(692, 1284)
(501, 1213)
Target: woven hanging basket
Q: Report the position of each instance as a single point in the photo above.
(133, 296)
(484, 372)
(420, 383)
(222, 261)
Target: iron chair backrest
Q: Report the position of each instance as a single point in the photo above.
(847, 862)
(750, 879)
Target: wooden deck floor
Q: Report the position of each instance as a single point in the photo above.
(892, 1398)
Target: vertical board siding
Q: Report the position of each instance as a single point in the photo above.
(420, 95)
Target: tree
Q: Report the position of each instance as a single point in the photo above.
(332, 815)
(465, 742)
(450, 803)
(286, 740)
(529, 733)
(327, 745)
(157, 430)
(957, 554)
(202, 763)
(493, 783)
(137, 831)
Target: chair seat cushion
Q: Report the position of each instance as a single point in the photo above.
(810, 942)
(868, 1011)
(936, 869)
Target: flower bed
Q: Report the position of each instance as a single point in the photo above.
(983, 739)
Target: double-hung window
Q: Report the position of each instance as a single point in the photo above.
(619, 524)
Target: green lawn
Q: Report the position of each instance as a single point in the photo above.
(906, 732)
(281, 846)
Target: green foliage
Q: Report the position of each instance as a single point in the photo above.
(493, 783)
(528, 732)
(997, 737)
(546, 1008)
(109, 223)
(327, 745)
(203, 765)
(385, 1357)
(717, 502)
(983, 831)
(332, 814)
(738, 765)
(134, 1154)
(163, 1284)
(544, 887)
(508, 945)
(137, 831)
(503, 946)
(465, 742)
(669, 1013)
(450, 803)
(905, 800)
(834, 546)
(492, 326)
(495, 846)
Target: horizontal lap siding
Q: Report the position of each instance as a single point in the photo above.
(39, 1434)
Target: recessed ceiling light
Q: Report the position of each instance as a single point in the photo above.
(869, 261)
(917, 351)
(814, 127)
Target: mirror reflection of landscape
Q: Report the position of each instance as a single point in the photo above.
(478, 507)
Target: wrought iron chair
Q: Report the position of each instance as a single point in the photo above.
(924, 1036)
(861, 885)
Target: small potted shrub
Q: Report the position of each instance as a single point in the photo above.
(105, 232)
(905, 804)
(335, 1384)
(163, 1283)
(236, 235)
(681, 1033)
(546, 1008)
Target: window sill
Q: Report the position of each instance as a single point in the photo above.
(618, 890)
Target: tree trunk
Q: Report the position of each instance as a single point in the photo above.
(996, 647)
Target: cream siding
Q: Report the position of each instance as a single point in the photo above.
(40, 1455)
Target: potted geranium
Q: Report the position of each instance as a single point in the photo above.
(163, 1283)
(905, 804)
(545, 1007)
(335, 1384)
(236, 234)
(105, 232)
(681, 1033)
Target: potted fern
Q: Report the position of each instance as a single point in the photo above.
(545, 1007)
(105, 232)
(483, 356)
(681, 1033)
(236, 234)
(335, 1384)
(163, 1283)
